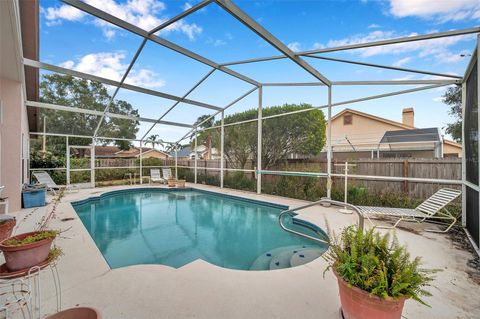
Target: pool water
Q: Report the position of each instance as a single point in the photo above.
(176, 227)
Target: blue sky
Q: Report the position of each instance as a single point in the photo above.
(75, 40)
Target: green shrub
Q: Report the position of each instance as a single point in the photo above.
(238, 180)
(377, 264)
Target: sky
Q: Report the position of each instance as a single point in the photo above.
(73, 39)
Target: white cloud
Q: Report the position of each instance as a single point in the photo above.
(109, 33)
(109, 65)
(438, 99)
(216, 42)
(294, 46)
(318, 45)
(187, 6)
(55, 15)
(141, 13)
(373, 26)
(405, 78)
(437, 49)
(402, 62)
(440, 10)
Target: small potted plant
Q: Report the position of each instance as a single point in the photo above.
(375, 274)
(171, 182)
(29, 249)
(181, 183)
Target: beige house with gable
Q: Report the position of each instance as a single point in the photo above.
(357, 134)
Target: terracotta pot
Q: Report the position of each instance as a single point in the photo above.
(359, 304)
(181, 183)
(171, 183)
(77, 313)
(6, 228)
(26, 256)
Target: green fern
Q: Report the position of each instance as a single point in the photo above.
(377, 264)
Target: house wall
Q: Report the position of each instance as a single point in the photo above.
(154, 155)
(13, 142)
(450, 150)
(363, 132)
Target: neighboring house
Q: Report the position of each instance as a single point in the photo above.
(187, 152)
(133, 152)
(357, 134)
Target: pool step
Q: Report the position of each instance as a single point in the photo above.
(305, 256)
(263, 261)
(282, 260)
(286, 257)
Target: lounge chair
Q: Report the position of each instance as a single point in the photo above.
(155, 176)
(167, 173)
(44, 178)
(432, 208)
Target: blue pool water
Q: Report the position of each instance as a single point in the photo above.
(175, 227)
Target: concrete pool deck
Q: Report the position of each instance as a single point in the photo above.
(202, 290)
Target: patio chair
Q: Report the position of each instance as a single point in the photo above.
(167, 173)
(44, 178)
(432, 208)
(155, 176)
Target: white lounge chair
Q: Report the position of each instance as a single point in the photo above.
(155, 176)
(44, 178)
(432, 208)
(167, 173)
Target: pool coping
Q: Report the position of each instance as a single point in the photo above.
(297, 219)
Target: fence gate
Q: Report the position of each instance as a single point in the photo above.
(80, 166)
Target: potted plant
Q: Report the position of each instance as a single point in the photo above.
(375, 274)
(29, 249)
(181, 183)
(171, 182)
(77, 312)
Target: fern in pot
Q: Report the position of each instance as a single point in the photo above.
(375, 274)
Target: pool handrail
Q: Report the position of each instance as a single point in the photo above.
(321, 201)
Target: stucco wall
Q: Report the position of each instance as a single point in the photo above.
(14, 123)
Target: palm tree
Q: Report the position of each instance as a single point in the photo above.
(170, 148)
(205, 121)
(154, 140)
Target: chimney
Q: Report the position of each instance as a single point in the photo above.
(408, 116)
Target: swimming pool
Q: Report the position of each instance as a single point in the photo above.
(175, 227)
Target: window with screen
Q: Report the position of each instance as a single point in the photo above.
(347, 119)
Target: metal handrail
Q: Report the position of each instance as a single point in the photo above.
(321, 201)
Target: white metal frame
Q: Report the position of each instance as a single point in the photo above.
(299, 58)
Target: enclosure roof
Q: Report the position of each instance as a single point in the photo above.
(408, 136)
(301, 59)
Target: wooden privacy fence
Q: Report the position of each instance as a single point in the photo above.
(441, 169)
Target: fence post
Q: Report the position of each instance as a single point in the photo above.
(68, 161)
(405, 174)
(176, 162)
(329, 144)
(222, 142)
(196, 155)
(92, 164)
(259, 141)
(141, 162)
